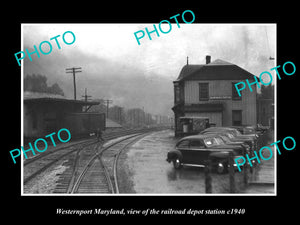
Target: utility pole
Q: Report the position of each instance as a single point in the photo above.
(74, 71)
(107, 101)
(120, 115)
(86, 98)
(143, 114)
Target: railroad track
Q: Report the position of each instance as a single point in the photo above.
(40, 163)
(106, 137)
(89, 175)
(96, 171)
(87, 163)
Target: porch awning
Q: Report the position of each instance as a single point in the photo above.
(203, 108)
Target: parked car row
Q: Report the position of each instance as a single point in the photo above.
(215, 144)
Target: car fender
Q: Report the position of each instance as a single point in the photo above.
(174, 155)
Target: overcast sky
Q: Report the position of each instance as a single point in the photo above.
(115, 67)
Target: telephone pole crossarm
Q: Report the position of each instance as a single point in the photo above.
(74, 71)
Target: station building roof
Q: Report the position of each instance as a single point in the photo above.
(216, 70)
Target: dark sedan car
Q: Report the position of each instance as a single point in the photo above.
(231, 141)
(196, 149)
(235, 136)
(231, 130)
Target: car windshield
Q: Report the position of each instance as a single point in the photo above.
(211, 142)
(225, 138)
(230, 135)
(220, 141)
(236, 132)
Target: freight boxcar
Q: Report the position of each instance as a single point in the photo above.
(84, 124)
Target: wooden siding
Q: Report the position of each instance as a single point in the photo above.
(223, 88)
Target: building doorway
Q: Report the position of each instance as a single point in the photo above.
(236, 117)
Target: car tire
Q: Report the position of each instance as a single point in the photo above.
(177, 164)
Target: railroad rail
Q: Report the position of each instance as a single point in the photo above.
(89, 175)
(99, 175)
(40, 163)
(106, 136)
(92, 168)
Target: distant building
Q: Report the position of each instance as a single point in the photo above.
(110, 124)
(207, 90)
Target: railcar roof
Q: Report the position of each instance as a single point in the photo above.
(61, 100)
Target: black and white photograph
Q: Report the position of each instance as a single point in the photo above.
(142, 109)
(152, 112)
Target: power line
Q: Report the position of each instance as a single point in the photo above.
(268, 44)
(74, 71)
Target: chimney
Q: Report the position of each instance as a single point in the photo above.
(207, 59)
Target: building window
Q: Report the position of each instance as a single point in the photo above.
(236, 117)
(177, 94)
(203, 92)
(235, 94)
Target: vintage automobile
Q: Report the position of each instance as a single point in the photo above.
(248, 129)
(226, 139)
(235, 136)
(261, 129)
(195, 150)
(234, 131)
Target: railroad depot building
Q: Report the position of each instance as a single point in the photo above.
(207, 90)
(46, 113)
